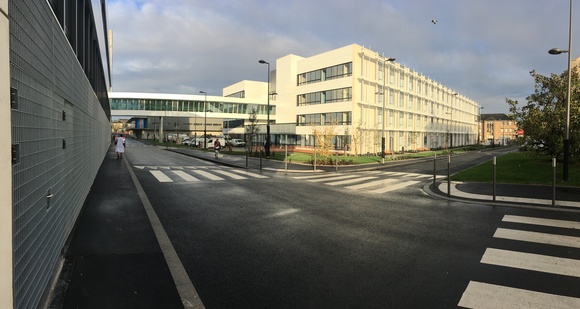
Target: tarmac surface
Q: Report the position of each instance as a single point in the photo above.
(117, 257)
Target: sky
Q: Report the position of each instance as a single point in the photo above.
(484, 50)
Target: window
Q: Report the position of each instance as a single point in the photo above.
(329, 96)
(401, 119)
(337, 71)
(401, 100)
(339, 118)
(402, 79)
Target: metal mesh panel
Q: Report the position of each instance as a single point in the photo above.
(50, 83)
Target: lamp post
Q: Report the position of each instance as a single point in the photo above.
(204, 120)
(384, 118)
(267, 144)
(557, 51)
(482, 135)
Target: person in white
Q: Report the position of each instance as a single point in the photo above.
(120, 146)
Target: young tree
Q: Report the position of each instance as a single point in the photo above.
(252, 129)
(324, 137)
(543, 118)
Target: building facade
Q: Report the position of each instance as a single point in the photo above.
(498, 129)
(361, 96)
(157, 116)
(54, 73)
(365, 97)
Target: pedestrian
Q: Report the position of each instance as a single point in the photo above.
(216, 147)
(120, 146)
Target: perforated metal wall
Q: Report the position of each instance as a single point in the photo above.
(62, 132)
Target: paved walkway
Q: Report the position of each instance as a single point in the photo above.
(119, 258)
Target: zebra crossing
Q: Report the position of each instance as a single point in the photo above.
(494, 295)
(374, 182)
(168, 174)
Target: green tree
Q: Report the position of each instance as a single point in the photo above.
(543, 118)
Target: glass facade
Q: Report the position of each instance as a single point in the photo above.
(322, 97)
(188, 106)
(338, 118)
(333, 72)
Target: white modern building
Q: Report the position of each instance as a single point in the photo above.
(360, 94)
(367, 96)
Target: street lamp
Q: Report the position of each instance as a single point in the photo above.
(557, 51)
(204, 120)
(267, 144)
(481, 120)
(384, 118)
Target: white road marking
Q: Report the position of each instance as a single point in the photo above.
(542, 221)
(185, 288)
(207, 175)
(530, 261)
(160, 176)
(542, 238)
(315, 176)
(381, 182)
(484, 295)
(249, 173)
(231, 175)
(185, 176)
(344, 182)
(332, 177)
(395, 187)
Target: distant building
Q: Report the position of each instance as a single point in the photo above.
(346, 88)
(56, 132)
(498, 129)
(354, 90)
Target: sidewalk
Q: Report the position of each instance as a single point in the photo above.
(113, 259)
(510, 194)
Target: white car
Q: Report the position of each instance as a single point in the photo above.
(237, 142)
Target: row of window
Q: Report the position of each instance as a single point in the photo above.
(322, 97)
(421, 87)
(338, 118)
(239, 94)
(189, 106)
(329, 73)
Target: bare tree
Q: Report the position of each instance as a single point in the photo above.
(252, 129)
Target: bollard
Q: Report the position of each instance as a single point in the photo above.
(449, 175)
(554, 182)
(286, 159)
(494, 176)
(434, 169)
(337, 161)
(261, 155)
(246, 158)
(315, 155)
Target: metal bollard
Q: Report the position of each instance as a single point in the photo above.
(449, 175)
(494, 175)
(554, 182)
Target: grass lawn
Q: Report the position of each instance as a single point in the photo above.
(523, 168)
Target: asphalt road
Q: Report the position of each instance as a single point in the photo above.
(251, 239)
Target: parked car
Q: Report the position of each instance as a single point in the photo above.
(211, 140)
(187, 142)
(237, 142)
